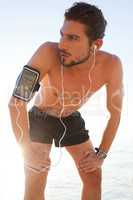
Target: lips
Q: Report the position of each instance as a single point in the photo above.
(64, 55)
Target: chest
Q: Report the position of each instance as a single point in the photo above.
(78, 84)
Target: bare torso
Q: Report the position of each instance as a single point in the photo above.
(64, 90)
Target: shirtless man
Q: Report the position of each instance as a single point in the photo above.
(69, 72)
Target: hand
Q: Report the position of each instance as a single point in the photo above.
(90, 162)
(36, 158)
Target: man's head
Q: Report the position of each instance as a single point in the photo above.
(83, 29)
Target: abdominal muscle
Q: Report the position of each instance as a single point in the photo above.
(52, 102)
(55, 105)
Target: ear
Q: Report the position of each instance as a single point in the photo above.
(98, 43)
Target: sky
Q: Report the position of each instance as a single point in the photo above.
(25, 25)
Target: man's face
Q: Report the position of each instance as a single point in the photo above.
(74, 44)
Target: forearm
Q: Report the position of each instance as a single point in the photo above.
(109, 133)
(19, 121)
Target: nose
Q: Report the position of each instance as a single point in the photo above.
(63, 44)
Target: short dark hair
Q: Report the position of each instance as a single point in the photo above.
(89, 15)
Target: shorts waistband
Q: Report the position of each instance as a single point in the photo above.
(40, 112)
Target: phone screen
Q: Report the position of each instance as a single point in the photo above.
(25, 84)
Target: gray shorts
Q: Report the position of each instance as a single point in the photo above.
(45, 128)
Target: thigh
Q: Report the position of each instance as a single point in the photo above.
(77, 152)
(37, 156)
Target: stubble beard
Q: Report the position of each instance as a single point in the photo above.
(75, 62)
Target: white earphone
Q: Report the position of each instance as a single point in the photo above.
(95, 47)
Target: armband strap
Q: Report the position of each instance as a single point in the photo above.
(27, 83)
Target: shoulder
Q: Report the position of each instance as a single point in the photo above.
(47, 49)
(112, 65)
(44, 57)
(115, 67)
(50, 46)
(110, 59)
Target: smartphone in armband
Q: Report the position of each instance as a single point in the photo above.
(27, 83)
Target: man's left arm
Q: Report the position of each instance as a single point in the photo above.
(114, 89)
(91, 161)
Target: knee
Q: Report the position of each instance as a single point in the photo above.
(92, 179)
(96, 177)
(38, 165)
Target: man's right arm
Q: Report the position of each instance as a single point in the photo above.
(40, 61)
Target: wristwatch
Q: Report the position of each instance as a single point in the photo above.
(100, 154)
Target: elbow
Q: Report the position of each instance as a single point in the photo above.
(115, 116)
(115, 110)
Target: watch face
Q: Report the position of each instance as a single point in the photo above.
(101, 155)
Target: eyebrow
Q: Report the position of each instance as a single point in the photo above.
(77, 36)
